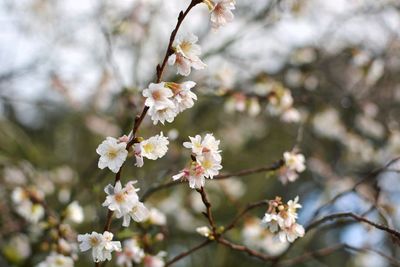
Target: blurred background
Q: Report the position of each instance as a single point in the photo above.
(71, 73)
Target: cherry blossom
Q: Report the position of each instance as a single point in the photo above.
(281, 219)
(101, 245)
(221, 12)
(112, 154)
(131, 252)
(186, 54)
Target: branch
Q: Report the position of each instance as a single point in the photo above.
(356, 217)
(208, 213)
(312, 254)
(187, 253)
(245, 249)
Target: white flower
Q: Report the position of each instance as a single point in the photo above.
(112, 154)
(138, 213)
(57, 260)
(221, 12)
(204, 231)
(118, 200)
(289, 215)
(194, 144)
(156, 217)
(162, 115)
(198, 147)
(125, 203)
(210, 164)
(291, 233)
(208, 160)
(287, 175)
(155, 147)
(195, 176)
(291, 115)
(74, 212)
(183, 98)
(101, 245)
(131, 252)
(295, 161)
(19, 195)
(158, 96)
(293, 205)
(186, 54)
(257, 237)
(280, 100)
(272, 222)
(19, 245)
(32, 212)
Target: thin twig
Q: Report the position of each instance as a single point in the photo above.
(187, 253)
(245, 249)
(311, 254)
(208, 213)
(356, 217)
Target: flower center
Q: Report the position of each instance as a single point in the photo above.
(119, 197)
(112, 153)
(94, 241)
(59, 262)
(186, 47)
(156, 95)
(148, 148)
(207, 164)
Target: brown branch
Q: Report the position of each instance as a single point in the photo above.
(208, 213)
(356, 217)
(274, 166)
(187, 253)
(311, 254)
(245, 249)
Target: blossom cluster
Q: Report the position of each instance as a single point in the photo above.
(101, 245)
(294, 163)
(166, 100)
(163, 101)
(113, 152)
(281, 219)
(206, 163)
(124, 202)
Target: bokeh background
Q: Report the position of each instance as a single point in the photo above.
(71, 73)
